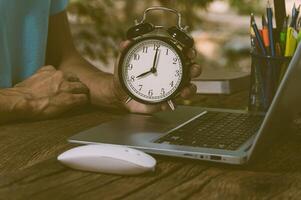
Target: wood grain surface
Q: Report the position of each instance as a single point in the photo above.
(29, 170)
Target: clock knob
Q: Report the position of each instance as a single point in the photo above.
(139, 30)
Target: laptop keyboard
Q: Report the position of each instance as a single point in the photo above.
(219, 130)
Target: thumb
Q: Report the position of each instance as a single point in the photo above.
(118, 90)
(46, 68)
(124, 44)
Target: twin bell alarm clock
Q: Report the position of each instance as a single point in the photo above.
(154, 67)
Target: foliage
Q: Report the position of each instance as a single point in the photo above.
(100, 25)
(247, 6)
(110, 19)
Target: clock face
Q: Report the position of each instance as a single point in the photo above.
(152, 70)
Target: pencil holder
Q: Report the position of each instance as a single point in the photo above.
(266, 74)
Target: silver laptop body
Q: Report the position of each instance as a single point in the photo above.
(141, 131)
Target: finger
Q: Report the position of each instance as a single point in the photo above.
(124, 44)
(195, 70)
(78, 99)
(165, 107)
(46, 68)
(188, 91)
(62, 103)
(119, 92)
(66, 100)
(69, 76)
(74, 88)
(137, 107)
(191, 53)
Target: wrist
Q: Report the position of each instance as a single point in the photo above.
(106, 91)
(119, 93)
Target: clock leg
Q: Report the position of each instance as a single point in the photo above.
(171, 105)
(128, 100)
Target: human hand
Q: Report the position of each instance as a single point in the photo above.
(50, 92)
(137, 107)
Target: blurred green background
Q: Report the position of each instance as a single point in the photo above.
(220, 28)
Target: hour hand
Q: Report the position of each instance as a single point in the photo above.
(144, 74)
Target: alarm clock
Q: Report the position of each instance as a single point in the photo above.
(154, 67)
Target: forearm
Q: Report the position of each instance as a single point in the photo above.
(62, 54)
(13, 104)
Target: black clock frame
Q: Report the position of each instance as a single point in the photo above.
(180, 50)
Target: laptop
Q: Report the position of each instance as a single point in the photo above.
(218, 135)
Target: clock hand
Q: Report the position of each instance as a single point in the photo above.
(156, 64)
(154, 70)
(145, 73)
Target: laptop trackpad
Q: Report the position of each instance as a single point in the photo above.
(135, 129)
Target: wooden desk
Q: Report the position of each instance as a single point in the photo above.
(29, 170)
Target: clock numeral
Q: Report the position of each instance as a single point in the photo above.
(132, 78)
(156, 46)
(171, 84)
(145, 48)
(140, 87)
(175, 60)
(162, 91)
(150, 93)
(136, 56)
(130, 66)
(177, 74)
(166, 53)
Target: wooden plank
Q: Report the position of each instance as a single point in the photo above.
(29, 143)
(282, 155)
(127, 185)
(50, 180)
(25, 144)
(172, 180)
(248, 185)
(179, 187)
(29, 170)
(293, 190)
(165, 184)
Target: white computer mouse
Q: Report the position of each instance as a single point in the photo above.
(106, 158)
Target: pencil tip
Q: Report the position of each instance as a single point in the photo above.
(252, 19)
